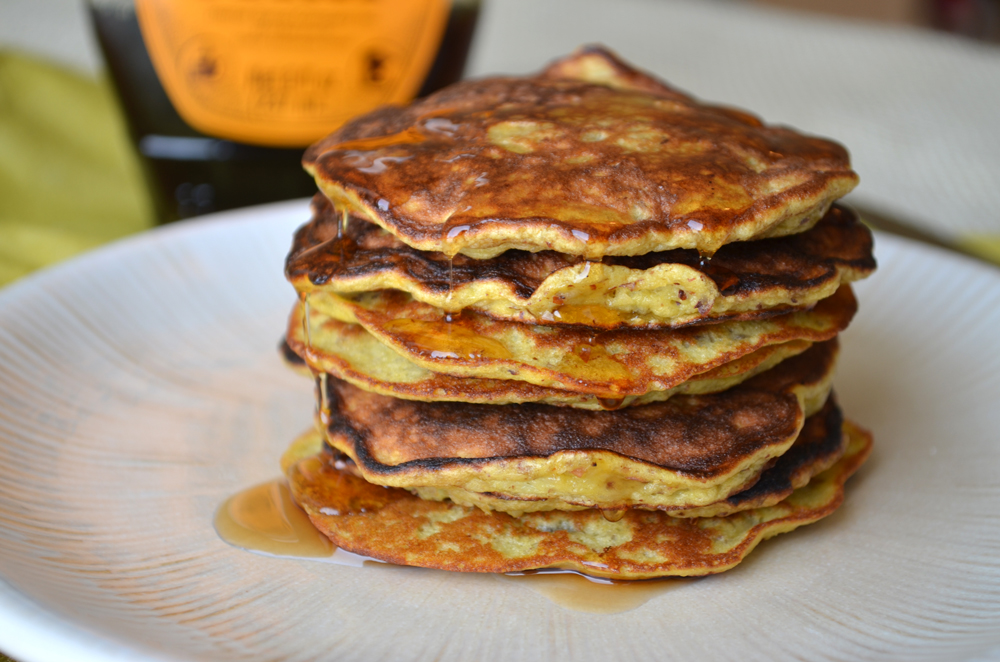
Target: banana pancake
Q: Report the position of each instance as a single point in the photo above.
(397, 527)
(609, 364)
(348, 352)
(590, 157)
(743, 280)
(819, 445)
(686, 452)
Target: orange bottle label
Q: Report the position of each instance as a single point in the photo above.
(288, 72)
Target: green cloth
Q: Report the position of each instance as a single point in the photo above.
(985, 247)
(69, 180)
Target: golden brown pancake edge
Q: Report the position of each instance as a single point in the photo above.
(590, 157)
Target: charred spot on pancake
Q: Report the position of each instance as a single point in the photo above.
(826, 442)
(697, 435)
(687, 452)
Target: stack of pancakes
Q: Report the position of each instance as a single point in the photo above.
(577, 320)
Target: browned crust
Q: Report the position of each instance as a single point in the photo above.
(454, 346)
(439, 387)
(819, 445)
(700, 436)
(326, 255)
(429, 174)
(382, 522)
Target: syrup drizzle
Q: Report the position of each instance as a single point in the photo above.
(341, 239)
(306, 322)
(265, 520)
(611, 404)
(451, 278)
(613, 514)
(578, 592)
(452, 340)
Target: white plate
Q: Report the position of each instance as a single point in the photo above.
(140, 386)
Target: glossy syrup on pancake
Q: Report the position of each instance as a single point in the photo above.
(743, 280)
(348, 352)
(265, 520)
(591, 157)
(608, 364)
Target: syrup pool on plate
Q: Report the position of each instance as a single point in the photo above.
(264, 519)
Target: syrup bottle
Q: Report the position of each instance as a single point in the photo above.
(222, 96)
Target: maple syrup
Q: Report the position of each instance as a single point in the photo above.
(589, 315)
(578, 592)
(592, 358)
(613, 514)
(265, 520)
(410, 136)
(191, 172)
(447, 340)
(451, 282)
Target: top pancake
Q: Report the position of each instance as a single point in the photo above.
(590, 157)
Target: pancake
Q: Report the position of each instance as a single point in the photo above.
(610, 364)
(820, 443)
(576, 320)
(743, 280)
(688, 451)
(348, 352)
(590, 157)
(397, 527)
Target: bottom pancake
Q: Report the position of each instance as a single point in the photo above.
(395, 526)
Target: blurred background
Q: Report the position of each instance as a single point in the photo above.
(59, 29)
(910, 86)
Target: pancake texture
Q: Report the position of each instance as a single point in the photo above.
(685, 452)
(577, 320)
(611, 364)
(348, 352)
(819, 444)
(670, 288)
(395, 526)
(591, 157)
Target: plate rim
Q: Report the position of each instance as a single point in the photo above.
(31, 632)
